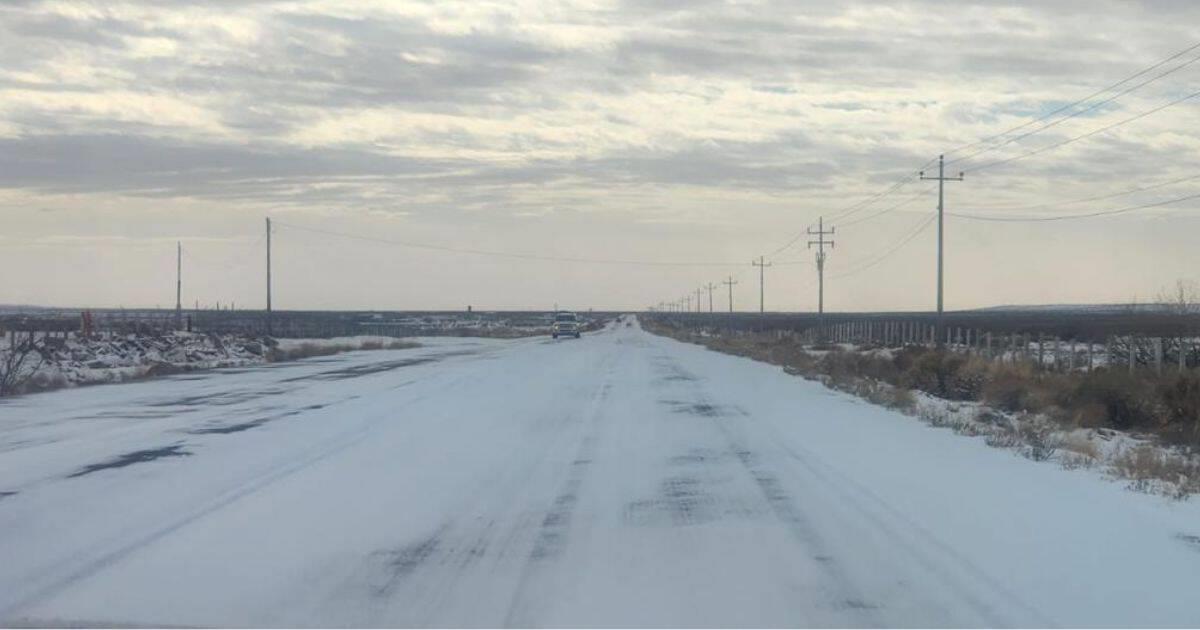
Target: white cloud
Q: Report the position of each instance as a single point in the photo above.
(659, 129)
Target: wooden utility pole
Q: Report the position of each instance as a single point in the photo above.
(820, 243)
(941, 180)
(762, 265)
(698, 292)
(729, 283)
(269, 314)
(710, 286)
(178, 285)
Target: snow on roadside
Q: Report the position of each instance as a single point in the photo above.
(118, 358)
(1143, 463)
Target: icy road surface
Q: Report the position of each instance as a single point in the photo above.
(622, 479)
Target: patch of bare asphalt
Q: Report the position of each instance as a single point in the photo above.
(243, 426)
(219, 399)
(681, 500)
(135, 457)
(695, 456)
(355, 371)
(703, 409)
(126, 414)
(1190, 540)
(552, 535)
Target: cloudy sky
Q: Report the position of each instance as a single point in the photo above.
(700, 134)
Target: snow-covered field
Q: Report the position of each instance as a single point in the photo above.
(622, 479)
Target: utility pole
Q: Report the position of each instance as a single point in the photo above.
(710, 286)
(268, 275)
(730, 282)
(698, 292)
(941, 180)
(178, 285)
(762, 276)
(688, 297)
(820, 243)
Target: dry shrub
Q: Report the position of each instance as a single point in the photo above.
(900, 399)
(947, 375)
(1090, 415)
(163, 368)
(402, 345)
(1038, 438)
(43, 382)
(1180, 396)
(1146, 463)
(935, 416)
(1081, 445)
(305, 350)
(1009, 387)
(371, 344)
(1128, 400)
(1003, 438)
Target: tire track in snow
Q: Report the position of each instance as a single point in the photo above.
(914, 540)
(951, 569)
(49, 581)
(839, 593)
(498, 540)
(552, 535)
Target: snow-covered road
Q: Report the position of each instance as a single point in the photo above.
(622, 479)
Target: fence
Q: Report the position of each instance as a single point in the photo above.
(115, 322)
(1048, 352)
(1043, 351)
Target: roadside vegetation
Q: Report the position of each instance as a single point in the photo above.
(1141, 426)
(31, 363)
(278, 352)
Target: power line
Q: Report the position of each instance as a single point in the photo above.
(891, 250)
(856, 207)
(1086, 135)
(503, 254)
(1122, 193)
(1090, 108)
(897, 206)
(1073, 104)
(1067, 217)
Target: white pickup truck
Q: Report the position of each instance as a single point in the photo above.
(566, 325)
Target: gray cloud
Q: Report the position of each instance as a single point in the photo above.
(688, 111)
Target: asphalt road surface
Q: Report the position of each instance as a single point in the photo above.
(621, 479)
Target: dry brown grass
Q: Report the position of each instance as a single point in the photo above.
(310, 349)
(1145, 465)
